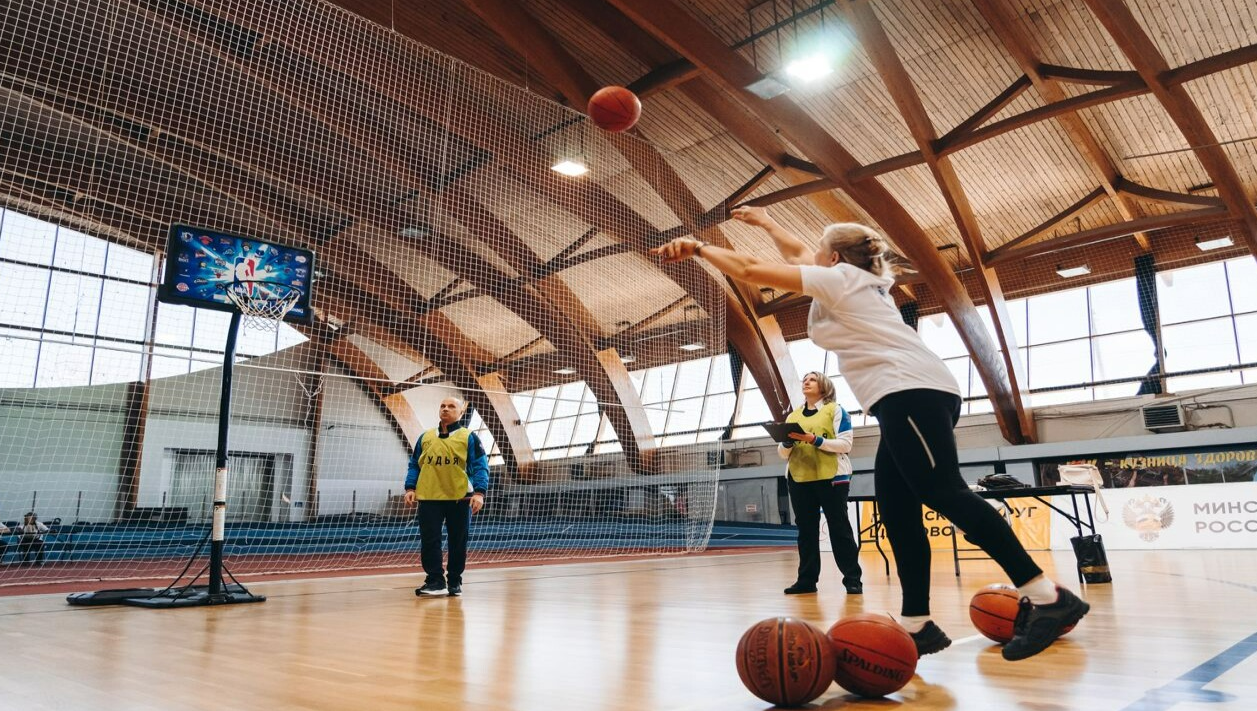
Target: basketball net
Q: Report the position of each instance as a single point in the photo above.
(263, 303)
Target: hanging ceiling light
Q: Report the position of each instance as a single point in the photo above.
(1070, 272)
(570, 167)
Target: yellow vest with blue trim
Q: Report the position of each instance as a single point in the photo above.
(443, 466)
(807, 463)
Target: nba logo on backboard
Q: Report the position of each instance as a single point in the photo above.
(203, 266)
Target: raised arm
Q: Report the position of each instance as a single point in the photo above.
(792, 249)
(743, 267)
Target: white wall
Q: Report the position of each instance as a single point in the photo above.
(361, 457)
(60, 442)
(60, 446)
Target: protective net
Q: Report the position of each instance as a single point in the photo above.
(451, 260)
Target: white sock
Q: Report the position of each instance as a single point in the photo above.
(914, 624)
(1041, 591)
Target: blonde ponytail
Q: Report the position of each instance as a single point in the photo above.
(860, 246)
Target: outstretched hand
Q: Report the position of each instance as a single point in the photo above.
(755, 216)
(678, 250)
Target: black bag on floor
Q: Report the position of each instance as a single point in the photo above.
(1093, 563)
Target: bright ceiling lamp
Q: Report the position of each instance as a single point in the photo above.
(696, 346)
(1205, 245)
(565, 371)
(810, 68)
(569, 167)
(1070, 272)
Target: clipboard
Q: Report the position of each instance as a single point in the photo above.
(781, 432)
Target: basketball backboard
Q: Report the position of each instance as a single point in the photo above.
(201, 264)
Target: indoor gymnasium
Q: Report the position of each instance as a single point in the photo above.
(678, 355)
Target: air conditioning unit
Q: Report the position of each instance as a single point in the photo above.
(1164, 418)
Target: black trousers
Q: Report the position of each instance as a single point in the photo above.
(30, 550)
(455, 516)
(917, 464)
(808, 500)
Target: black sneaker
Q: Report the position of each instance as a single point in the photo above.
(856, 589)
(930, 639)
(1038, 626)
(456, 589)
(800, 589)
(431, 589)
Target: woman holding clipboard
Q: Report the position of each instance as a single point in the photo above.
(916, 402)
(819, 476)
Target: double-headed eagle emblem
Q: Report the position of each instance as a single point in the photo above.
(1148, 515)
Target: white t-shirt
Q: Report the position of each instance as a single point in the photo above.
(854, 316)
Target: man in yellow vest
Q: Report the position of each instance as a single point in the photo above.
(448, 475)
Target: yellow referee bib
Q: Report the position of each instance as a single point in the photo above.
(443, 466)
(807, 463)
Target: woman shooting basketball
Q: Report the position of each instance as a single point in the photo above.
(917, 404)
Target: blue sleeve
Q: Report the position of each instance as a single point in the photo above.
(477, 464)
(412, 469)
(844, 423)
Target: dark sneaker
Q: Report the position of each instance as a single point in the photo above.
(455, 589)
(431, 589)
(1038, 626)
(930, 639)
(856, 589)
(800, 589)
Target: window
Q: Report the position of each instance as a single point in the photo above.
(1193, 293)
(76, 310)
(1059, 316)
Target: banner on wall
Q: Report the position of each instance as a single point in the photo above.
(1163, 468)
(1030, 519)
(1174, 517)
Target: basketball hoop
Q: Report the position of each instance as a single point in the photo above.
(263, 303)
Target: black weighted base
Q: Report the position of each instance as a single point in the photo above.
(109, 597)
(196, 596)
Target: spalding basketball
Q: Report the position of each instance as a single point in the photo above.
(993, 610)
(614, 108)
(876, 656)
(785, 661)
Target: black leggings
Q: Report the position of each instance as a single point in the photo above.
(917, 464)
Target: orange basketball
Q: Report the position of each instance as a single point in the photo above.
(614, 108)
(785, 661)
(993, 610)
(876, 656)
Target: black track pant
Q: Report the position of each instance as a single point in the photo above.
(456, 517)
(808, 499)
(917, 464)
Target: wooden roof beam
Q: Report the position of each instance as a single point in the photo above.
(1144, 56)
(676, 27)
(1077, 75)
(1022, 46)
(1096, 234)
(877, 45)
(1056, 220)
(1130, 187)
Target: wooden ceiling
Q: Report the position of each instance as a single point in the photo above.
(980, 135)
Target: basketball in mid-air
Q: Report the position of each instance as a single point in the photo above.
(785, 661)
(614, 108)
